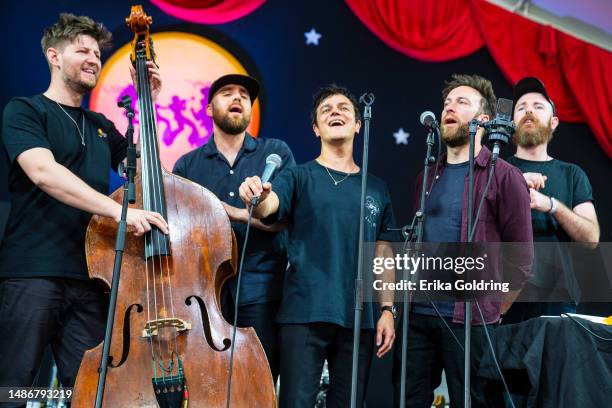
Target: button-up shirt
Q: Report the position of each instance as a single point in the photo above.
(265, 260)
(505, 217)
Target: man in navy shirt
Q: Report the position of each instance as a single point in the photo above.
(505, 217)
(230, 155)
(321, 200)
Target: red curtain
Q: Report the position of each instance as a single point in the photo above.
(208, 11)
(578, 76)
(425, 30)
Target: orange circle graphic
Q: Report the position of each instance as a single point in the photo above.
(188, 64)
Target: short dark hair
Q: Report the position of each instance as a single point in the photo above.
(69, 27)
(327, 91)
(482, 85)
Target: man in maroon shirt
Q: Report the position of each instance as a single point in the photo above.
(504, 217)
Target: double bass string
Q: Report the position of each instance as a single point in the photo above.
(146, 159)
(158, 199)
(165, 239)
(157, 190)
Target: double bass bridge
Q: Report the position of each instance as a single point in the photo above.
(152, 326)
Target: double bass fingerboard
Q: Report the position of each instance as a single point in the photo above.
(153, 195)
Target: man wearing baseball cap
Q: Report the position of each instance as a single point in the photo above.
(561, 203)
(220, 165)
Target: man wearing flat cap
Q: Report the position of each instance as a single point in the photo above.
(221, 165)
(562, 207)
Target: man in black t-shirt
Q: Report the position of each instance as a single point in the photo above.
(561, 203)
(60, 157)
(220, 165)
(321, 200)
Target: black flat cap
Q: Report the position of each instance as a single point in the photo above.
(249, 83)
(531, 84)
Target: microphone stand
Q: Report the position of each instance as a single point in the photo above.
(367, 99)
(498, 131)
(414, 234)
(129, 196)
(467, 369)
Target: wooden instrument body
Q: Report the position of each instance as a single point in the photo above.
(203, 256)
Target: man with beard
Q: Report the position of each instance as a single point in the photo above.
(436, 329)
(321, 199)
(561, 203)
(60, 157)
(230, 155)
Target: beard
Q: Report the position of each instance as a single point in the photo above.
(229, 125)
(534, 136)
(459, 136)
(73, 81)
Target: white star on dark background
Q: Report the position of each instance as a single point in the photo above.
(401, 136)
(312, 37)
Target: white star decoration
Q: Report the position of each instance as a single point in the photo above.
(401, 136)
(312, 37)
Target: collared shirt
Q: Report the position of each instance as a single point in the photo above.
(505, 217)
(265, 261)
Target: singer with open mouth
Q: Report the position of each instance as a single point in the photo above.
(321, 200)
(435, 333)
(220, 165)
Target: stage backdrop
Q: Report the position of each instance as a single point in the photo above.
(292, 47)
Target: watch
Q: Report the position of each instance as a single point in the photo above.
(391, 309)
(553, 206)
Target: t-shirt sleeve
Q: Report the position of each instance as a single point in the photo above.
(22, 128)
(583, 192)
(284, 152)
(388, 221)
(284, 185)
(117, 143)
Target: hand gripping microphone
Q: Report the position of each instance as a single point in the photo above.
(273, 162)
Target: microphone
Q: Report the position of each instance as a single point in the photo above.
(501, 128)
(125, 100)
(428, 119)
(273, 162)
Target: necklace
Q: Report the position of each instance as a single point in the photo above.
(82, 134)
(336, 182)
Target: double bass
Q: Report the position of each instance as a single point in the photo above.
(170, 344)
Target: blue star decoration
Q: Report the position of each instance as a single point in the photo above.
(312, 37)
(401, 136)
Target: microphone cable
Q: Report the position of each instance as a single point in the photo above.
(233, 347)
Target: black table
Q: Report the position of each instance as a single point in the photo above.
(554, 361)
